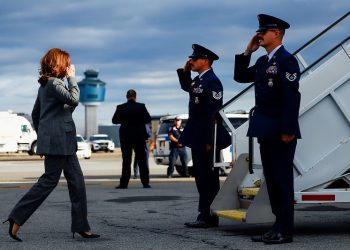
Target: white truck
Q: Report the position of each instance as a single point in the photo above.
(322, 162)
(16, 134)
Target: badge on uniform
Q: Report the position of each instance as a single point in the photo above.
(291, 77)
(197, 90)
(270, 82)
(193, 83)
(217, 95)
(272, 70)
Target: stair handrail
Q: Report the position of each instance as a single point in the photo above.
(325, 55)
(322, 33)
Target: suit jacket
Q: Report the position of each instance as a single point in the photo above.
(52, 117)
(277, 99)
(132, 116)
(205, 99)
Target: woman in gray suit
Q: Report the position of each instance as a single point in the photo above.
(53, 122)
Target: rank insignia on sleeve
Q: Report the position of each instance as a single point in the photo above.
(291, 77)
(217, 95)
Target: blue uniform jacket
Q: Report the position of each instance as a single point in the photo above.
(205, 99)
(277, 99)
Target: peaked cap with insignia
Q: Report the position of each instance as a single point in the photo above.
(270, 22)
(202, 52)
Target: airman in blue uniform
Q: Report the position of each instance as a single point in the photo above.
(205, 99)
(274, 120)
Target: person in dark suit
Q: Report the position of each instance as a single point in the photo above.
(53, 122)
(274, 120)
(133, 117)
(205, 99)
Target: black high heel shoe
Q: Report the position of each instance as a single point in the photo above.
(87, 236)
(12, 223)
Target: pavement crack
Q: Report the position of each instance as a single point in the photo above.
(171, 233)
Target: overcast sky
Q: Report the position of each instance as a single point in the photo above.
(139, 44)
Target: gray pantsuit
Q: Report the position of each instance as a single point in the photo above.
(45, 185)
(52, 119)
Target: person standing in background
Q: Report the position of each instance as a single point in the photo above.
(177, 149)
(133, 117)
(136, 165)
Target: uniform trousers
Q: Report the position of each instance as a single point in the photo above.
(174, 153)
(277, 160)
(207, 182)
(54, 164)
(139, 148)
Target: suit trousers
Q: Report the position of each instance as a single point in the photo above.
(46, 184)
(277, 160)
(207, 181)
(139, 148)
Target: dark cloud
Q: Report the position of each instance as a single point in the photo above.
(140, 44)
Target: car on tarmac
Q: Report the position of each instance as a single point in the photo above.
(84, 148)
(101, 142)
(162, 147)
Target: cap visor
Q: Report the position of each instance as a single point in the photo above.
(261, 29)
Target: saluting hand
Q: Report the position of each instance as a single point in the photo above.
(187, 66)
(253, 45)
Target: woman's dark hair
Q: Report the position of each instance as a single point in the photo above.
(53, 64)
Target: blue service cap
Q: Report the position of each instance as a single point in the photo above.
(202, 52)
(270, 22)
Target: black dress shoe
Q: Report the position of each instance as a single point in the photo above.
(261, 238)
(200, 224)
(279, 238)
(147, 186)
(121, 187)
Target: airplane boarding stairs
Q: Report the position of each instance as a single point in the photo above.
(322, 158)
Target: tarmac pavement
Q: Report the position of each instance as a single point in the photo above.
(138, 218)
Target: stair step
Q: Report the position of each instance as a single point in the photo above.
(248, 191)
(232, 214)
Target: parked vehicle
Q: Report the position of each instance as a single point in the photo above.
(16, 134)
(162, 150)
(84, 148)
(101, 142)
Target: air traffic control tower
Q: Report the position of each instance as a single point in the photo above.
(92, 93)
